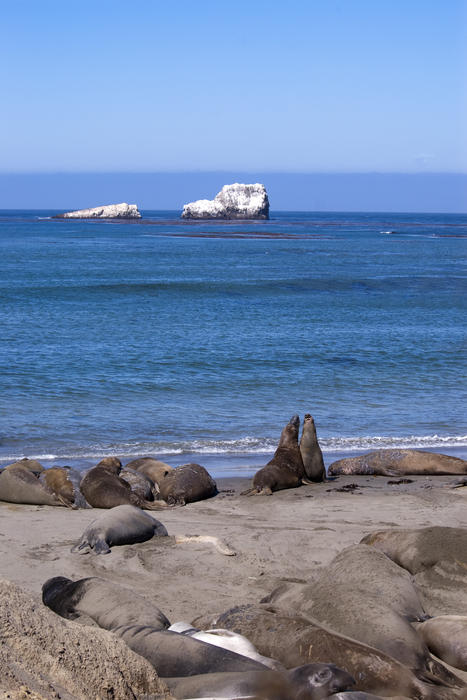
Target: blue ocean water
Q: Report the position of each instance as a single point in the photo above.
(196, 341)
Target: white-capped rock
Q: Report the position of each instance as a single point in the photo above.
(109, 211)
(235, 201)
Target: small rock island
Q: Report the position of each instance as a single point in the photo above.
(235, 201)
(109, 211)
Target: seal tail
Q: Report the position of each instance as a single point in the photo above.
(217, 543)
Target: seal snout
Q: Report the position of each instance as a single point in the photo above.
(295, 420)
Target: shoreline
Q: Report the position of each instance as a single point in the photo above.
(220, 465)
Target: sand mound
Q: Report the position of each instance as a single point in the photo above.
(45, 656)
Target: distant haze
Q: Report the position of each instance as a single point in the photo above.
(433, 192)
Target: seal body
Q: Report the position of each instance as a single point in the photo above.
(103, 487)
(120, 525)
(63, 483)
(140, 484)
(294, 640)
(446, 637)
(20, 485)
(399, 463)
(285, 470)
(186, 484)
(310, 451)
(31, 465)
(106, 603)
(174, 654)
(152, 468)
(308, 682)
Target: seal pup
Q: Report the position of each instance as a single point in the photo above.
(103, 487)
(227, 640)
(174, 655)
(107, 603)
(399, 463)
(119, 525)
(20, 485)
(151, 467)
(310, 451)
(308, 682)
(294, 640)
(446, 637)
(186, 484)
(285, 470)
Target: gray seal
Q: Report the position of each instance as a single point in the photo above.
(186, 484)
(285, 470)
(310, 451)
(399, 463)
(20, 485)
(308, 682)
(108, 604)
(120, 525)
(446, 637)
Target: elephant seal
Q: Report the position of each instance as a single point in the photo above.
(436, 557)
(372, 600)
(152, 468)
(399, 463)
(120, 525)
(310, 451)
(294, 640)
(103, 487)
(308, 682)
(20, 485)
(63, 483)
(446, 637)
(285, 470)
(140, 484)
(186, 484)
(227, 640)
(174, 655)
(31, 465)
(108, 604)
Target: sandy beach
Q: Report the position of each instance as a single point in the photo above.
(287, 536)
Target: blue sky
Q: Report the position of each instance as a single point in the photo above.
(332, 86)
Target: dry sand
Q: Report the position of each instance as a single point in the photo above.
(287, 536)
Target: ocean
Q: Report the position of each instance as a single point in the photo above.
(197, 341)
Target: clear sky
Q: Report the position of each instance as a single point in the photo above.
(331, 86)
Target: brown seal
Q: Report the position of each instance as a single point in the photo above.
(102, 487)
(310, 450)
(152, 468)
(399, 463)
(32, 465)
(285, 470)
(20, 485)
(446, 638)
(186, 484)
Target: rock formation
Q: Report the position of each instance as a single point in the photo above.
(232, 202)
(109, 211)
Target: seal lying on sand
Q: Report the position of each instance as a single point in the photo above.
(152, 468)
(174, 655)
(437, 559)
(108, 604)
(399, 463)
(102, 487)
(309, 682)
(31, 465)
(295, 640)
(310, 450)
(120, 525)
(446, 637)
(285, 470)
(129, 525)
(186, 484)
(63, 483)
(20, 485)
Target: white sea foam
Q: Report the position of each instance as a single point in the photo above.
(244, 446)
